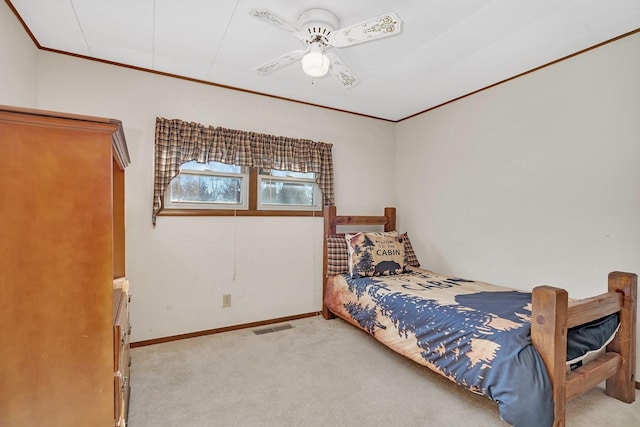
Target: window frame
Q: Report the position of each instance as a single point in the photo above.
(251, 210)
(317, 193)
(244, 187)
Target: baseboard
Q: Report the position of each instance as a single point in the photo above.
(224, 329)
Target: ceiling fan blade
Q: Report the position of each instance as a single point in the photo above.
(280, 61)
(382, 26)
(277, 21)
(341, 72)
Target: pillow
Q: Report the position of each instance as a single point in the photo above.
(338, 254)
(376, 254)
(412, 259)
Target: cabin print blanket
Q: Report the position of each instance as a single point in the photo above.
(474, 333)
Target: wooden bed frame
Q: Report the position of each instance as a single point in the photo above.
(551, 316)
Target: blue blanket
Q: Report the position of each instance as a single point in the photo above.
(473, 333)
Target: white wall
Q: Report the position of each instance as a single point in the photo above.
(180, 269)
(18, 56)
(535, 181)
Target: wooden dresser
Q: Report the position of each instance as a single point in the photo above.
(62, 245)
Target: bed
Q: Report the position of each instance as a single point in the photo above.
(531, 352)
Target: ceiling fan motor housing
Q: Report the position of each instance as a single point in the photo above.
(318, 23)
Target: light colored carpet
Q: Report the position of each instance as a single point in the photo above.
(319, 373)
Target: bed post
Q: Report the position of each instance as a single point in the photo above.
(549, 336)
(329, 229)
(622, 384)
(390, 214)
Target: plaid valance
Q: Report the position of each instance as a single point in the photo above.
(178, 142)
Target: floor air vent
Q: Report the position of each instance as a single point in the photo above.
(272, 329)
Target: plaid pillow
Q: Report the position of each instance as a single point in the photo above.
(337, 255)
(409, 254)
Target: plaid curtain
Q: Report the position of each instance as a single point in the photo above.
(178, 142)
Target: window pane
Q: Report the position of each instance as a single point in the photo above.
(277, 173)
(275, 192)
(211, 166)
(187, 188)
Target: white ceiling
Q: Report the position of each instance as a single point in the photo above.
(446, 49)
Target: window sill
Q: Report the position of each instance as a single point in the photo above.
(231, 212)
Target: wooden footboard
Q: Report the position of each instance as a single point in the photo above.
(552, 315)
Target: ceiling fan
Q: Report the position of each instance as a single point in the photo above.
(318, 30)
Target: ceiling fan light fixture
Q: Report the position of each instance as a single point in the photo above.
(315, 63)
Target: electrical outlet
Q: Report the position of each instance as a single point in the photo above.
(226, 300)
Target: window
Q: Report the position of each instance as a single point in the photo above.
(218, 186)
(287, 190)
(210, 185)
(248, 193)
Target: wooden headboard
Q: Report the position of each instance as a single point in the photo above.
(332, 221)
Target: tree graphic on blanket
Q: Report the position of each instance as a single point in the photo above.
(365, 316)
(463, 347)
(479, 339)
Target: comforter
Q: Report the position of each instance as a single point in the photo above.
(473, 333)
